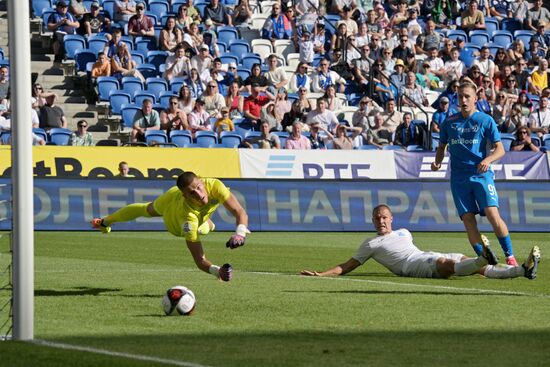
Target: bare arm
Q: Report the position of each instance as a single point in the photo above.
(198, 256)
(497, 153)
(235, 208)
(439, 155)
(341, 269)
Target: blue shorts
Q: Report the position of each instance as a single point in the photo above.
(474, 193)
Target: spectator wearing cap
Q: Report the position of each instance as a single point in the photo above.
(82, 137)
(224, 123)
(277, 25)
(145, 119)
(275, 75)
(398, 77)
(441, 114)
(124, 9)
(61, 23)
(351, 25)
(77, 8)
(542, 38)
(218, 13)
(306, 46)
(232, 76)
(472, 17)
(93, 22)
(52, 115)
(537, 14)
(203, 61)
(253, 105)
(140, 25)
(535, 53)
(199, 119)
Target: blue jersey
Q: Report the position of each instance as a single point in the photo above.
(469, 140)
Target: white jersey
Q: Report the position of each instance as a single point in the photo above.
(397, 252)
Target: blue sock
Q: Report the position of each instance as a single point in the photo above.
(478, 249)
(506, 244)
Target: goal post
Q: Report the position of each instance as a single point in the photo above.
(21, 175)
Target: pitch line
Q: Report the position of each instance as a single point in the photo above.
(386, 282)
(106, 352)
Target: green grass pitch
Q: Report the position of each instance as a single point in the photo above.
(103, 293)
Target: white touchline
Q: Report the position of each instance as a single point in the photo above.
(478, 290)
(115, 354)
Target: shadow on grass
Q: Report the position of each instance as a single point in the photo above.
(309, 348)
(416, 292)
(78, 291)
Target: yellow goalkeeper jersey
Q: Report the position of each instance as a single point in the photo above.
(180, 217)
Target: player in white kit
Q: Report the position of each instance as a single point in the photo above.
(397, 252)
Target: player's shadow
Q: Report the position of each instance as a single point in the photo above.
(77, 291)
(417, 292)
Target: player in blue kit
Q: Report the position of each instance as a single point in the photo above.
(474, 143)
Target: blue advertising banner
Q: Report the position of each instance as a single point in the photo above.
(287, 205)
(513, 166)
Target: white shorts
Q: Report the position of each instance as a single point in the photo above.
(423, 265)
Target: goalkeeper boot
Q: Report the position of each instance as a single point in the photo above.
(97, 223)
(532, 263)
(488, 253)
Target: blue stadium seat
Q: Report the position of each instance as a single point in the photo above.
(524, 36)
(369, 147)
(156, 85)
(164, 99)
(145, 44)
(131, 85)
(467, 56)
(157, 58)
(249, 59)
(200, 5)
(105, 85)
(142, 95)
(176, 83)
(493, 47)
(238, 48)
(227, 58)
(176, 5)
(182, 138)
(41, 133)
(158, 136)
(60, 136)
(117, 99)
(128, 113)
(414, 148)
(503, 38)
(109, 7)
(392, 147)
(129, 43)
(546, 141)
(511, 25)
(454, 34)
(73, 43)
(138, 57)
(82, 58)
(479, 37)
(1, 54)
(491, 25)
(159, 7)
(38, 7)
(227, 34)
(230, 2)
(507, 141)
(148, 70)
(332, 19)
(45, 16)
(206, 139)
(153, 17)
(230, 139)
(222, 47)
(96, 44)
(5, 137)
(536, 140)
(243, 73)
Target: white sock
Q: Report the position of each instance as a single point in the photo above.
(469, 266)
(503, 271)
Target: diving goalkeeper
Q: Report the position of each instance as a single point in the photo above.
(186, 209)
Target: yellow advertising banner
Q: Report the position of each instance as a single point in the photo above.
(102, 162)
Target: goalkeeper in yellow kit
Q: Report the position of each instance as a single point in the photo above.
(186, 210)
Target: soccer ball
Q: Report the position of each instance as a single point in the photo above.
(178, 300)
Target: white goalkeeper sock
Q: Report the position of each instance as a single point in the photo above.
(503, 271)
(469, 266)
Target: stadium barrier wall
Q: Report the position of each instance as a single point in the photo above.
(163, 163)
(288, 205)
